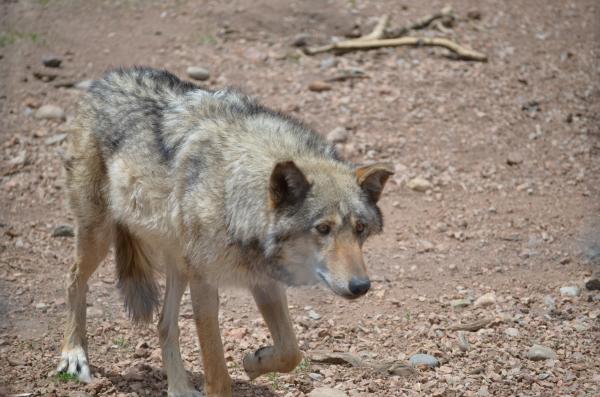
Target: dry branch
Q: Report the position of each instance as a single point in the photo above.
(359, 44)
(378, 31)
(380, 37)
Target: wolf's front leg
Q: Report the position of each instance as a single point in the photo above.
(205, 302)
(284, 356)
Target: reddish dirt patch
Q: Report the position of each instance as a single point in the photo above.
(484, 225)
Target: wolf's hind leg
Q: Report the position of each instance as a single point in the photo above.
(205, 302)
(168, 332)
(284, 356)
(92, 246)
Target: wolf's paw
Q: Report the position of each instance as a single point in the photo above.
(74, 362)
(254, 363)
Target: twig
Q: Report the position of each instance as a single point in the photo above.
(379, 29)
(359, 44)
(380, 37)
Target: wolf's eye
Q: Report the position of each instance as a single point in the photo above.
(360, 227)
(323, 228)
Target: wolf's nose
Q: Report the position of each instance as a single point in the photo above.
(359, 286)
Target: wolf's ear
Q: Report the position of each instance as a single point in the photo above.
(372, 179)
(288, 185)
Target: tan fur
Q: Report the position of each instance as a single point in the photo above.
(212, 189)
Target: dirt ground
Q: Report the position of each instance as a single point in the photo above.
(509, 149)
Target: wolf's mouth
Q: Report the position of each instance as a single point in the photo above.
(326, 279)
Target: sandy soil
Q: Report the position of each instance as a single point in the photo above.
(509, 147)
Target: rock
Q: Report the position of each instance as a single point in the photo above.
(254, 55)
(51, 61)
(63, 231)
(423, 359)
(570, 291)
(335, 358)
(400, 369)
(50, 112)
(485, 300)
(19, 160)
(460, 303)
(550, 302)
(539, 353)
(84, 85)
(514, 158)
(474, 14)
(337, 135)
(326, 392)
(419, 184)
(315, 376)
(41, 306)
(483, 392)
(301, 40)
(313, 315)
(593, 284)
(463, 342)
(58, 138)
(512, 332)
(319, 86)
(198, 73)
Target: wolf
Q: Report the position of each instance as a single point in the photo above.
(211, 189)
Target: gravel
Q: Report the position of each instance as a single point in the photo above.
(50, 112)
(198, 73)
(423, 360)
(539, 353)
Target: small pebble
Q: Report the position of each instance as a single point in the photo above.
(460, 303)
(198, 73)
(319, 86)
(419, 184)
(51, 61)
(326, 392)
(50, 112)
(463, 342)
(514, 158)
(423, 359)
(485, 300)
(63, 231)
(313, 315)
(512, 332)
(539, 353)
(570, 291)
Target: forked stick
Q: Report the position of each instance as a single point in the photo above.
(379, 37)
(378, 31)
(359, 44)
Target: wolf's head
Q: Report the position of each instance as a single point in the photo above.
(321, 214)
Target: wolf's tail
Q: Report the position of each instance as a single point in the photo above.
(135, 277)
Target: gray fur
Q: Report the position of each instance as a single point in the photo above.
(218, 190)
